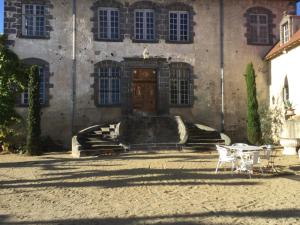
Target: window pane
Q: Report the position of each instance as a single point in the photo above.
(179, 86)
(149, 25)
(139, 25)
(253, 19)
(103, 24)
(114, 24)
(173, 26)
(263, 19)
(109, 85)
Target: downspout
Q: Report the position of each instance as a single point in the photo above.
(73, 73)
(222, 63)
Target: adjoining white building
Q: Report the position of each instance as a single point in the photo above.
(284, 64)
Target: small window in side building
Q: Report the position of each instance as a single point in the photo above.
(285, 33)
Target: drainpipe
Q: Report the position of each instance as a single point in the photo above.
(222, 63)
(73, 73)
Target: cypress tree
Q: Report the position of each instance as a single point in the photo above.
(34, 118)
(253, 120)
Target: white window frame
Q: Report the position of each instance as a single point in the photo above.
(144, 11)
(34, 16)
(285, 33)
(179, 13)
(257, 26)
(109, 27)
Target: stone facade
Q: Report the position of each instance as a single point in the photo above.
(72, 74)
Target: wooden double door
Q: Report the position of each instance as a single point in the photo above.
(144, 90)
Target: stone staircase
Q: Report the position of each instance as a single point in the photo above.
(97, 140)
(199, 139)
(150, 133)
(143, 133)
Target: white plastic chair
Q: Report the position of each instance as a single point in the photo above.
(248, 161)
(225, 156)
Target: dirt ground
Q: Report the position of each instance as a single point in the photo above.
(164, 188)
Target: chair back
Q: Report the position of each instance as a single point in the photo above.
(223, 152)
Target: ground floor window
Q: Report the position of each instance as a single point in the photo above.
(180, 84)
(109, 85)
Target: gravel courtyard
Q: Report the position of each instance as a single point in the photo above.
(164, 188)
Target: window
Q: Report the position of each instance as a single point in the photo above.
(180, 84)
(285, 33)
(25, 96)
(109, 85)
(33, 20)
(144, 24)
(178, 26)
(108, 22)
(259, 31)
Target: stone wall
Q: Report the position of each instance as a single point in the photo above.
(202, 52)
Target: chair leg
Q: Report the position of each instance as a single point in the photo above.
(217, 167)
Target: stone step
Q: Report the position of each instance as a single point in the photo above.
(155, 146)
(202, 143)
(200, 147)
(104, 146)
(98, 152)
(201, 140)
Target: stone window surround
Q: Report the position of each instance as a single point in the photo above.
(271, 25)
(95, 97)
(95, 19)
(183, 65)
(48, 85)
(127, 20)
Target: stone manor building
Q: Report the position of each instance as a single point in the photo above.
(100, 60)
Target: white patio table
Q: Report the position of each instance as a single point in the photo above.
(247, 148)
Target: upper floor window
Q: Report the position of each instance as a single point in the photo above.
(42, 91)
(109, 24)
(109, 85)
(259, 26)
(33, 20)
(144, 28)
(178, 26)
(180, 84)
(259, 31)
(285, 33)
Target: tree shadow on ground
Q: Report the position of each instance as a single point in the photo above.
(177, 219)
(123, 178)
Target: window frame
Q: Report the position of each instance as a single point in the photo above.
(42, 95)
(285, 32)
(179, 24)
(144, 11)
(176, 71)
(110, 89)
(258, 27)
(109, 11)
(34, 17)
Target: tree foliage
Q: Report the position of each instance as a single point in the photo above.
(34, 110)
(253, 120)
(12, 80)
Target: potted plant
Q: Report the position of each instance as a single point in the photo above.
(289, 108)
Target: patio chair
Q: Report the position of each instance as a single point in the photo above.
(268, 154)
(225, 156)
(247, 162)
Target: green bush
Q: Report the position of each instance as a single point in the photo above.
(12, 81)
(253, 121)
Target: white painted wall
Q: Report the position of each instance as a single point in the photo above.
(286, 65)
